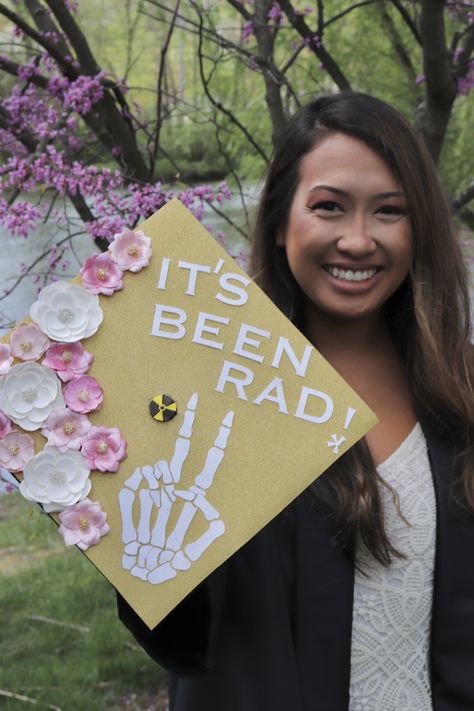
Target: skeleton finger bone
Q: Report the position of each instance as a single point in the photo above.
(183, 442)
(216, 453)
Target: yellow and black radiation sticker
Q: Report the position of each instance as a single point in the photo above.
(163, 408)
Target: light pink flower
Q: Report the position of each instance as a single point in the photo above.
(5, 425)
(6, 358)
(101, 274)
(83, 524)
(68, 360)
(16, 449)
(104, 448)
(131, 250)
(28, 342)
(64, 429)
(83, 394)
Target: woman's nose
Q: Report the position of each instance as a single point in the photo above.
(357, 238)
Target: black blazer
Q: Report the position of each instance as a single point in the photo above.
(270, 630)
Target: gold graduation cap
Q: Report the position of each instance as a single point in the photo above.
(227, 410)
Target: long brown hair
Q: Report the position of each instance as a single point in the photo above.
(429, 315)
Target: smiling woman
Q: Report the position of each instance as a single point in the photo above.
(348, 239)
(358, 596)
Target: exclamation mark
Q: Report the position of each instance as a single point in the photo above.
(349, 415)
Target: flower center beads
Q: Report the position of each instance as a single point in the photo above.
(66, 356)
(26, 346)
(83, 523)
(68, 428)
(132, 250)
(65, 315)
(101, 447)
(13, 449)
(57, 477)
(83, 395)
(102, 274)
(29, 395)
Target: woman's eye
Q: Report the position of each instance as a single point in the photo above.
(326, 208)
(391, 212)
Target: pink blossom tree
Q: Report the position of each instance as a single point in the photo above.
(68, 127)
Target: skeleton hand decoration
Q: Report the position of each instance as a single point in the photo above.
(150, 553)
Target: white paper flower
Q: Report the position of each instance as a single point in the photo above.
(56, 479)
(67, 312)
(28, 394)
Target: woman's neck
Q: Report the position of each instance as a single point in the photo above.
(343, 341)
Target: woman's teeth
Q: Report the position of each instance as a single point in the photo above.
(350, 274)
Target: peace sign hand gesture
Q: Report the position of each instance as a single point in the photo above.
(151, 553)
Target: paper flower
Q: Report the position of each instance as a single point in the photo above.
(16, 449)
(83, 524)
(64, 429)
(55, 479)
(6, 358)
(68, 360)
(131, 250)
(101, 274)
(67, 312)
(28, 342)
(28, 394)
(5, 425)
(83, 394)
(104, 448)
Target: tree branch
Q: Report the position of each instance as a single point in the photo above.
(217, 104)
(159, 86)
(465, 197)
(52, 50)
(341, 14)
(265, 36)
(440, 84)
(331, 66)
(398, 46)
(408, 20)
(463, 63)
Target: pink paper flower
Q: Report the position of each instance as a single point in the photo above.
(16, 449)
(83, 394)
(104, 449)
(5, 425)
(6, 358)
(101, 274)
(68, 360)
(83, 524)
(28, 342)
(64, 429)
(131, 250)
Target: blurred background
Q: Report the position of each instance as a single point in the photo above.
(108, 108)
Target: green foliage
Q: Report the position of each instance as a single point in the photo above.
(89, 661)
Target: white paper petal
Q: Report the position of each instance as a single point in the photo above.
(28, 394)
(67, 312)
(39, 479)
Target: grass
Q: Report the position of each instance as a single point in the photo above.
(61, 643)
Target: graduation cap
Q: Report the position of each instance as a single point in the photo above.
(172, 410)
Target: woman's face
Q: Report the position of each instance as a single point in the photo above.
(348, 240)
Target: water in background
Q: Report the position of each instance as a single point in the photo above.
(16, 253)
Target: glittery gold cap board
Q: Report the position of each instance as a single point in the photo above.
(209, 411)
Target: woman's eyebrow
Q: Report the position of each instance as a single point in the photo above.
(343, 193)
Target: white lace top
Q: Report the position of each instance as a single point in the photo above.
(392, 606)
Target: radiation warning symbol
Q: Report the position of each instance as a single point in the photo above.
(163, 408)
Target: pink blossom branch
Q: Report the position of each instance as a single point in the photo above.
(39, 38)
(313, 42)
